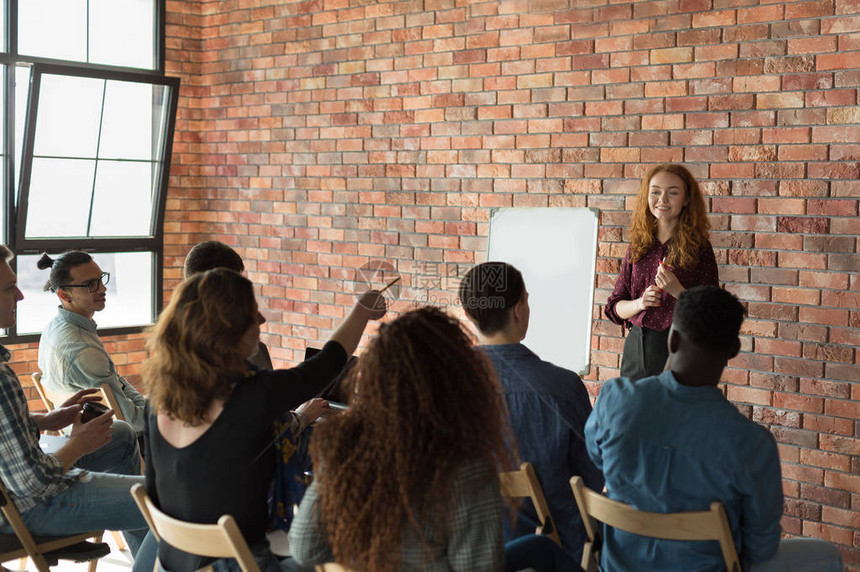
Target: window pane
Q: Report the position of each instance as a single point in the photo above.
(132, 121)
(122, 33)
(129, 292)
(69, 116)
(5, 157)
(122, 205)
(22, 93)
(5, 43)
(60, 196)
(53, 29)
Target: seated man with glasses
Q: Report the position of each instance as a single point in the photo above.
(71, 355)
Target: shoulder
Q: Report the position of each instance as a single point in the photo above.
(477, 474)
(618, 386)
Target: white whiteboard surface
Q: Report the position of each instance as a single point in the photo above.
(556, 250)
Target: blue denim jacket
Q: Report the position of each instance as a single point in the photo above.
(72, 357)
(667, 447)
(548, 407)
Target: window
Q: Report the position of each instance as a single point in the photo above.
(88, 126)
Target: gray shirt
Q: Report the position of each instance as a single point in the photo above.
(72, 357)
(475, 541)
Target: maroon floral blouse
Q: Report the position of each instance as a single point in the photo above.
(635, 278)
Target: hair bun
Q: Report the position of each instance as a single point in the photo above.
(45, 261)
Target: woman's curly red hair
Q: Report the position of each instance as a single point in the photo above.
(691, 232)
(425, 405)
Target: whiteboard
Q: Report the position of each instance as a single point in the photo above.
(556, 250)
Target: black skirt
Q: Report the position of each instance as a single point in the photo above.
(645, 353)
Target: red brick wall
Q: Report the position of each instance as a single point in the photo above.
(316, 136)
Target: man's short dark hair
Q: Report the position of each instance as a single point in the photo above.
(212, 254)
(709, 316)
(488, 292)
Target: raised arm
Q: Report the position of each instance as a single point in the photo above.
(370, 306)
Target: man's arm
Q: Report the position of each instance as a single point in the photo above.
(576, 410)
(25, 469)
(594, 433)
(92, 367)
(762, 502)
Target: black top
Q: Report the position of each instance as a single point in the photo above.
(215, 475)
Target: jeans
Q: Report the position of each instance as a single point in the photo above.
(801, 555)
(100, 500)
(121, 456)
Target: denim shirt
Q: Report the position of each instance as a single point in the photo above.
(667, 447)
(72, 357)
(548, 407)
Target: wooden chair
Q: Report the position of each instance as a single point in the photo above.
(222, 540)
(36, 376)
(524, 484)
(49, 398)
(693, 525)
(22, 544)
(52, 397)
(109, 398)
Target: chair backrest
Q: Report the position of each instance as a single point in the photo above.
(222, 540)
(27, 545)
(52, 397)
(709, 524)
(36, 376)
(109, 398)
(524, 484)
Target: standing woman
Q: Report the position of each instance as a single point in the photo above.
(208, 426)
(669, 252)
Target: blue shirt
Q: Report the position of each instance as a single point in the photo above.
(548, 407)
(667, 447)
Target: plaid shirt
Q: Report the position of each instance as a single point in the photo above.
(28, 473)
(475, 540)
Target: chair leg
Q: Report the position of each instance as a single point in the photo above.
(92, 565)
(22, 563)
(40, 563)
(118, 539)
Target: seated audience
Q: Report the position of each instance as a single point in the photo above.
(85, 485)
(71, 355)
(548, 405)
(209, 424)
(673, 443)
(212, 254)
(408, 476)
(293, 426)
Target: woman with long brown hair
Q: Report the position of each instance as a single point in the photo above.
(211, 412)
(407, 478)
(669, 252)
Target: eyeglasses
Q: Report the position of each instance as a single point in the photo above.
(91, 285)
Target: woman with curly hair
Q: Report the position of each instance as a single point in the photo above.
(669, 252)
(407, 477)
(210, 414)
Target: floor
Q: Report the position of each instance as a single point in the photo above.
(118, 561)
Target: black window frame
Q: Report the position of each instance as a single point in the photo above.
(14, 217)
